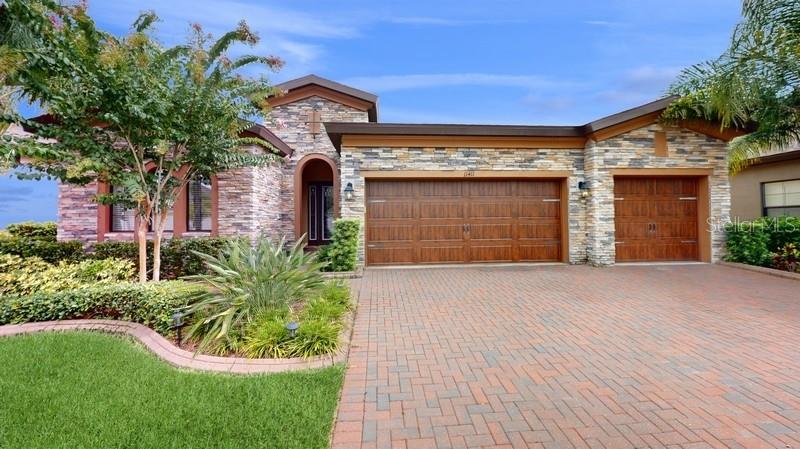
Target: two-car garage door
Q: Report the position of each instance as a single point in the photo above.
(462, 221)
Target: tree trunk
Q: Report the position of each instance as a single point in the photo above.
(159, 222)
(141, 235)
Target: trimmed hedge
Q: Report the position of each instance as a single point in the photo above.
(177, 257)
(48, 250)
(44, 231)
(24, 276)
(151, 304)
(342, 253)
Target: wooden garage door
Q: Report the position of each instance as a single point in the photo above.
(656, 219)
(427, 221)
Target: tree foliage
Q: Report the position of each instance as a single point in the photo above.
(753, 84)
(126, 110)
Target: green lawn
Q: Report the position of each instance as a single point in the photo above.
(88, 390)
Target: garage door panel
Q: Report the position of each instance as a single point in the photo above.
(439, 210)
(656, 218)
(441, 254)
(384, 210)
(544, 251)
(498, 209)
(390, 255)
(549, 230)
(495, 231)
(539, 209)
(427, 189)
(393, 189)
(457, 221)
(491, 253)
(492, 189)
(390, 232)
(441, 232)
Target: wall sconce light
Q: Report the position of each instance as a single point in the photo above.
(583, 186)
(348, 191)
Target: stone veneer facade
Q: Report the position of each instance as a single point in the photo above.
(262, 200)
(591, 220)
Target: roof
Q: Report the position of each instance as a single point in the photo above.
(782, 156)
(337, 129)
(257, 131)
(371, 100)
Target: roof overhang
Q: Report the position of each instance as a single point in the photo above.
(783, 156)
(511, 136)
(312, 85)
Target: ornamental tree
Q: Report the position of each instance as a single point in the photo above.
(754, 84)
(129, 112)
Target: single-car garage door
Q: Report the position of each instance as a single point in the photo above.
(656, 219)
(444, 221)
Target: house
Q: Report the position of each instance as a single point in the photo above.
(768, 187)
(619, 189)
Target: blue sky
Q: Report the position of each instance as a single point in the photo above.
(450, 61)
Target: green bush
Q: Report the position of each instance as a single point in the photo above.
(267, 339)
(314, 337)
(781, 231)
(178, 256)
(336, 291)
(787, 258)
(48, 250)
(151, 304)
(32, 275)
(249, 281)
(43, 231)
(746, 242)
(342, 253)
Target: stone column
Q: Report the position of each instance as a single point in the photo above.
(600, 239)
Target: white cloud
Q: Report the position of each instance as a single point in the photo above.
(604, 23)
(387, 83)
(640, 84)
(440, 21)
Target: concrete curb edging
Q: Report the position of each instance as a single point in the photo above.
(180, 358)
(763, 270)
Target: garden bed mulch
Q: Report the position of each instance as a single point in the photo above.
(181, 358)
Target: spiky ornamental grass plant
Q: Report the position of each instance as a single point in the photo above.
(754, 84)
(127, 111)
(248, 282)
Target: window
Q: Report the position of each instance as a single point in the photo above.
(199, 208)
(781, 198)
(168, 225)
(122, 218)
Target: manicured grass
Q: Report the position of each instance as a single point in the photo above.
(89, 390)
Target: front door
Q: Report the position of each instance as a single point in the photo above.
(320, 213)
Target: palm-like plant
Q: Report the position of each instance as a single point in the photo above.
(250, 281)
(753, 84)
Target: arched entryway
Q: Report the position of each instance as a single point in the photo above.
(316, 198)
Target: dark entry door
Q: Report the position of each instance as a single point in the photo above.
(656, 219)
(320, 213)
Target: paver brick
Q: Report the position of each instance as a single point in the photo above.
(693, 356)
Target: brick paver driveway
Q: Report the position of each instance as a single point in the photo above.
(559, 357)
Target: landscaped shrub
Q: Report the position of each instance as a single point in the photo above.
(342, 253)
(787, 258)
(44, 231)
(178, 256)
(151, 304)
(314, 337)
(781, 231)
(249, 281)
(48, 250)
(746, 242)
(20, 276)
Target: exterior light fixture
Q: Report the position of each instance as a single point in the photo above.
(177, 323)
(348, 191)
(292, 327)
(583, 186)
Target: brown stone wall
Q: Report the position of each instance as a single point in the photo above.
(77, 212)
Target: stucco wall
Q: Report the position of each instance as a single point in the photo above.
(746, 186)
